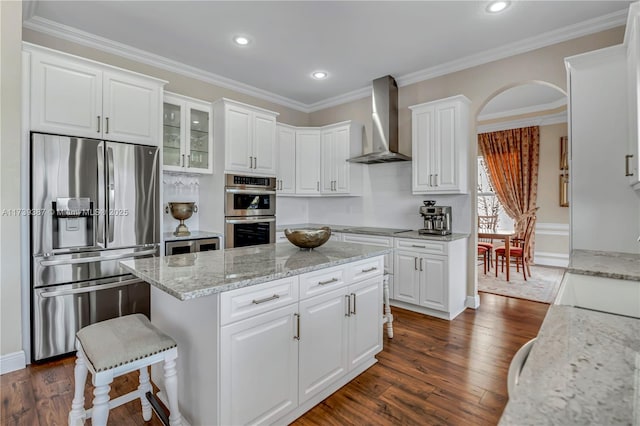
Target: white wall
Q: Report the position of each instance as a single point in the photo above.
(10, 136)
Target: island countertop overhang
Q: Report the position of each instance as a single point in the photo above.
(193, 275)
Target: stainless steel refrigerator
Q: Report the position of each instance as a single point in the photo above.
(93, 203)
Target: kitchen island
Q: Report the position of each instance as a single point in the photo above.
(266, 332)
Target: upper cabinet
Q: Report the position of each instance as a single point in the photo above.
(77, 97)
(440, 138)
(249, 137)
(286, 165)
(187, 143)
(321, 154)
(632, 40)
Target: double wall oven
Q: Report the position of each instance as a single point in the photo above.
(250, 210)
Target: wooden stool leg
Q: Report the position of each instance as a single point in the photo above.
(145, 386)
(77, 414)
(171, 387)
(100, 412)
(387, 308)
(497, 264)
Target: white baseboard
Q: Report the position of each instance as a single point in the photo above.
(12, 362)
(551, 259)
(472, 302)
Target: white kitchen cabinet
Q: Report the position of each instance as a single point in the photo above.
(77, 97)
(308, 150)
(187, 143)
(286, 170)
(632, 42)
(430, 276)
(259, 374)
(365, 320)
(249, 137)
(323, 341)
(335, 152)
(440, 139)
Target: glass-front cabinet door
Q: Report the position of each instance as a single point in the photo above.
(187, 135)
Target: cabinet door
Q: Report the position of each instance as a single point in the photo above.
(66, 97)
(323, 342)
(286, 160)
(423, 132)
(632, 157)
(341, 141)
(365, 321)
(307, 164)
(259, 368)
(264, 144)
(433, 282)
(173, 142)
(406, 277)
(199, 139)
(444, 152)
(238, 134)
(130, 108)
(326, 162)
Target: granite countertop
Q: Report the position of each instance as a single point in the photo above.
(584, 368)
(355, 229)
(195, 235)
(193, 275)
(625, 266)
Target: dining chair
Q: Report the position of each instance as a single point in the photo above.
(484, 252)
(487, 223)
(517, 252)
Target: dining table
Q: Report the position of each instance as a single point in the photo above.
(500, 234)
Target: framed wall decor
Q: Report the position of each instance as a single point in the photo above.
(564, 190)
(564, 153)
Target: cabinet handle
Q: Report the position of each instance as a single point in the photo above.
(332, 280)
(297, 335)
(416, 245)
(255, 162)
(627, 169)
(421, 264)
(251, 162)
(281, 185)
(106, 125)
(415, 263)
(318, 186)
(436, 179)
(373, 268)
(266, 299)
(354, 303)
(430, 180)
(98, 130)
(182, 162)
(347, 305)
(188, 160)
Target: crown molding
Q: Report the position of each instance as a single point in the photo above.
(75, 35)
(543, 120)
(590, 26)
(55, 29)
(524, 110)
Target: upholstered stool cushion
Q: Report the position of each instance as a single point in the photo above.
(115, 342)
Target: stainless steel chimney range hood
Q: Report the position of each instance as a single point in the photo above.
(384, 128)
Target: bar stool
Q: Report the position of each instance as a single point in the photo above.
(116, 347)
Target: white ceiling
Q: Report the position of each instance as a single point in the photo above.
(355, 41)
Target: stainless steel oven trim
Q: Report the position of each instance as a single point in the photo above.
(230, 221)
(250, 220)
(250, 191)
(230, 211)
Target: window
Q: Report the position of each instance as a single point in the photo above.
(488, 203)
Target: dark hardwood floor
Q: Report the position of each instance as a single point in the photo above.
(433, 372)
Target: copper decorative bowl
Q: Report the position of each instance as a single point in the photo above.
(308, 238)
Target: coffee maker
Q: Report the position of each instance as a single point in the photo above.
(437, 219)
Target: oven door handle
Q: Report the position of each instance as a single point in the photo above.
(250, 191)
(95, 258)
(89, 289)
(252, 220)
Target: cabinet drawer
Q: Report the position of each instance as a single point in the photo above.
(374, 240)
(249, 301)
(318, 282)
(364, 269)
(425, 246)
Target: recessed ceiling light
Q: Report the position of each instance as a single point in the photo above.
(497, 6)
(319, 75)
(241, 40)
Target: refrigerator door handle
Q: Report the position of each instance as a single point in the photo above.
(111, 187)
(56, 262)
(88, 289)
(100, 233)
